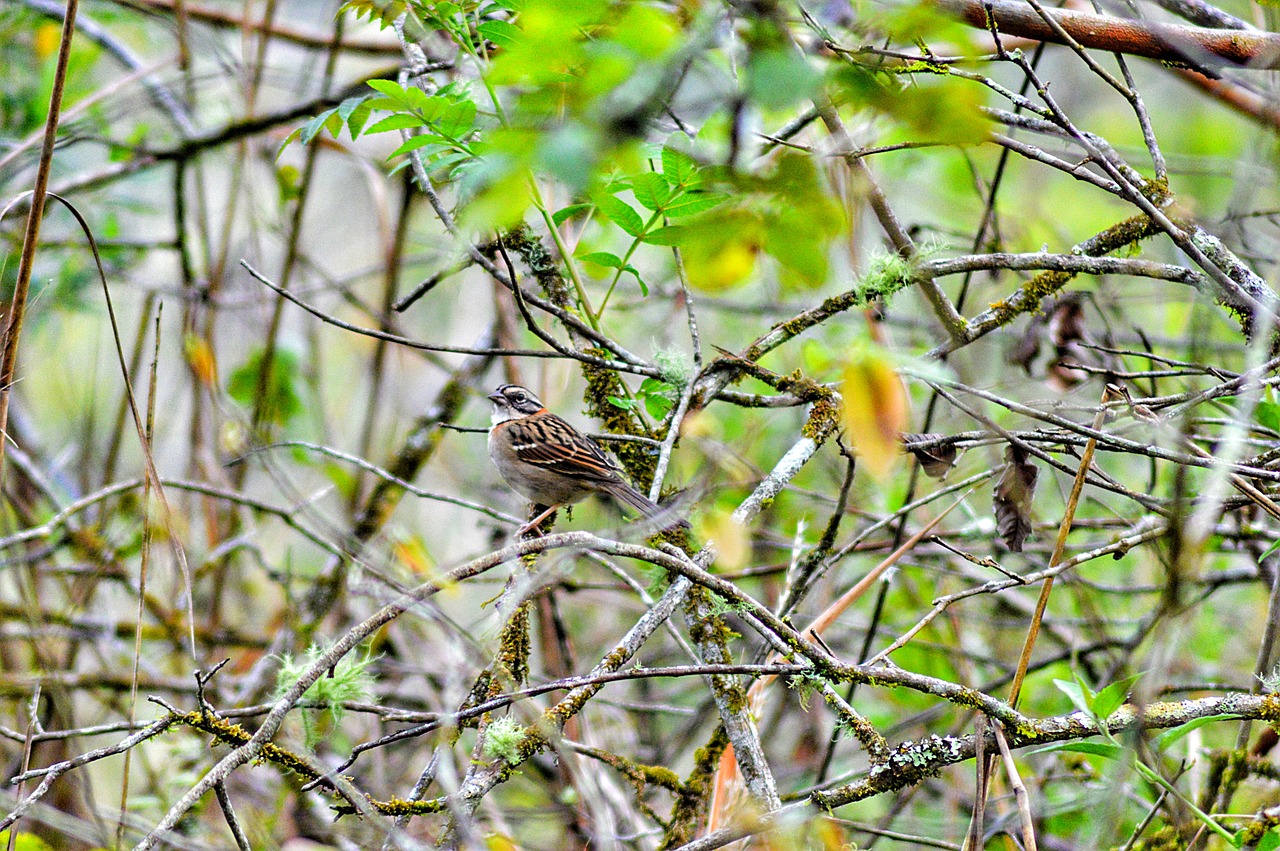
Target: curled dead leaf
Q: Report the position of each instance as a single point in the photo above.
(1027, 348)
(1062, 374)
(1066, 321)
(1012, 498)
(935, 457)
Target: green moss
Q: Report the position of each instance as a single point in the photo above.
(512, 660)
(401, 807)
(544, 269)
(823, 420)
(797, 325)
(601, 384)
(691, 803)
(920, 66)
(1049, 283)
(1166, 838)
(502, 739)
(708, 630)
(235, 735)
(704, 626)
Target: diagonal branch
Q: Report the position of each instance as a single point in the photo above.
(1153, 39)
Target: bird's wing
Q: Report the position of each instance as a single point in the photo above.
(547, 441)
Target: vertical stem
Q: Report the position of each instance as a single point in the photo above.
(1068, 517)
(8, 367)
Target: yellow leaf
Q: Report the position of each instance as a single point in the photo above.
(201, 358)
(875, 410)
(828, 835)
(413, 554)
(732, 540)
(498, 842)
(720, 266)
(48, 37)
(698, 424)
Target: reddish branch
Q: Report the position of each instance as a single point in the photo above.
(1155, 40)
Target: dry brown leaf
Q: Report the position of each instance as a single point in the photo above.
(1066, 322)
(936, 459)
(1062, 373)
(1027, 348)
(1012, 498)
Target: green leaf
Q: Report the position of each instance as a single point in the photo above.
(501, 33)
(801, 253)
(384, 12)
(1112, 697)
(624, 404)
(1270, 840)
(613, 261)
(281, 401)
(1169, 737)
(564, 214)
(449, 162)
(297, 132)
(414, 143)
(779, 78)
(621, 214)
(603, 258)
(423, 104)
(651, 190)
(287, 182)
(1102, 749)
(658, 406)
(384, 103)
(657, 387)
(1079, 693)
(25, 842)
(315, 125)
(399, 121)
(1268, 415)
(358, 118)
(673, 235)
(691, 203)
(348, 106)
(457, 119)
(391, 89)
(679, 169)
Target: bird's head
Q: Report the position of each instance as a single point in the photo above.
(511, 401)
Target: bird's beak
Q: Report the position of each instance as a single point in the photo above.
(497, 398)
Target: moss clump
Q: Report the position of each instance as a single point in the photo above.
(348, 681)
(543, 268)
(502, 739)
(823, 420)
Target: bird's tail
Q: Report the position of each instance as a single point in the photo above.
(632, 497)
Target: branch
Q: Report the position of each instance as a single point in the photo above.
(1155, 40)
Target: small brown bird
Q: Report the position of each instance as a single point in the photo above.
(549, 461)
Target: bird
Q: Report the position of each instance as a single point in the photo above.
(550, 462)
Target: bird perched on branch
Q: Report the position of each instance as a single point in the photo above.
(552, 463)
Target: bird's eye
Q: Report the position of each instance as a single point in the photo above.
(519, 397)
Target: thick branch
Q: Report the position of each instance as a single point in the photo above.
(1152, 39)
